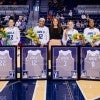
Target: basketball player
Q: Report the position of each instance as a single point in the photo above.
(90, 32)
(68, 33)
(42, 32)
(13, 33)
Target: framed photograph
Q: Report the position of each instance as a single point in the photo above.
(64, 63)
(34, 62)
(8, 63)
(90, 63)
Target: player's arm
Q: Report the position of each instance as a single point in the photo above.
(47, 36)
(64, 37)
(17, 36)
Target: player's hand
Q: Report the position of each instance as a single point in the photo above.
(3, 39)
(42, 45)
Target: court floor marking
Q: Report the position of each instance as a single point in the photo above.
(85, 92)
(40, 90)
(95, 98)
(45, 91)
(3, 84)
(81, 90)
(69, 89)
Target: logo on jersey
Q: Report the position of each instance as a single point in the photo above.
(40, 33)
(69, 36)
(11, 35)
(90, 34)
(40, 36)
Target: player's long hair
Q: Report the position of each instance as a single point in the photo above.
(59, 25)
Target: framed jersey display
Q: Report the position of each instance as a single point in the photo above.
(64, 63)
(34, 62)
(90, 63)
(8, 62)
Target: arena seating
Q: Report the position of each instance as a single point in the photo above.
(77, 11)
(91, 10)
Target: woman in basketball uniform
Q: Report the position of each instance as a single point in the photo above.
(68, 32)
(13, 33)
(90, 32)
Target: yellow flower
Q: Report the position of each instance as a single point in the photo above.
(1, 29)
(78, 36)
(3, 33)
(96, 37)
(32, 35)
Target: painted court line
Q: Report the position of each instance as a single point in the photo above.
(89, 89)
(2, 85)
(70, 92)
(81, 90)
(40, 90)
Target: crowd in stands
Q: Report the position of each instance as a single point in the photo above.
(15, 27)
(64, 13)
(69, 19)
(12, 2)
(20, 21)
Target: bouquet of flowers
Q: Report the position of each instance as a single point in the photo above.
(4, 36)
(96, 39)
(32, 35)
(78, 38)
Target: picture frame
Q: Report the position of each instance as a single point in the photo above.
(90, 63)
(60, 60)
(38, 58)
(8, 63)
